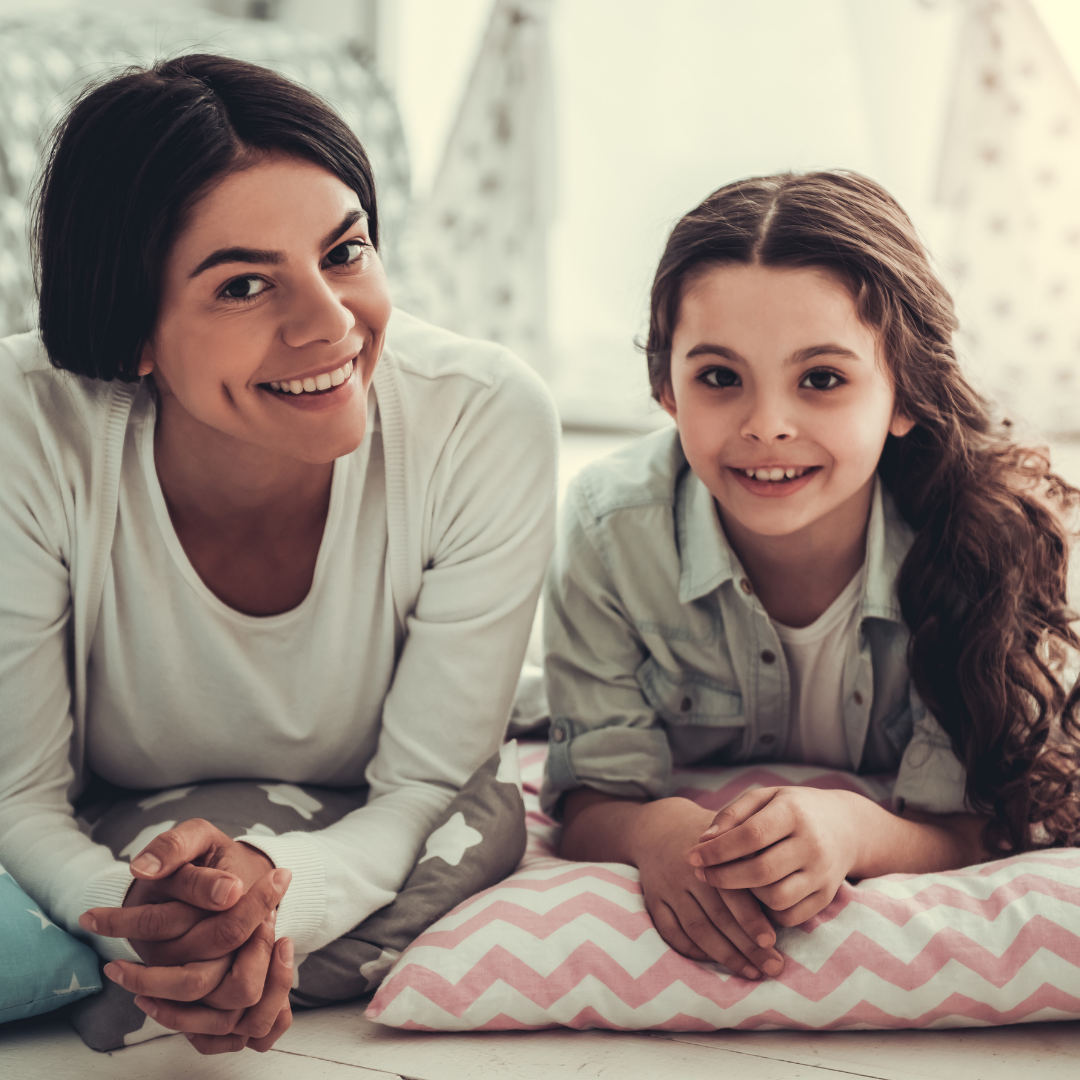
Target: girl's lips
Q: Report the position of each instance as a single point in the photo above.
(775, 489)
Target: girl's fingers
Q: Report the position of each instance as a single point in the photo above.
(767, 868)
(752, 958)
(198, 1019)
(760, 830)
(188, 982)
(805, 909)
(670, 929)
(225, 932)
(281, 1025)
(260, 1019)
(785, 896)
(245, 982)
(181, 844)
(147, 922)
(735, 813)
(698, 916)
(746, 911)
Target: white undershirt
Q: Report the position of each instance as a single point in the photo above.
(815, 661)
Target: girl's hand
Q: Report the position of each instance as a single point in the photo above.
(691, 916)
(790, 846)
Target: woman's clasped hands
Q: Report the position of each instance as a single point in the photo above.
(201, 915)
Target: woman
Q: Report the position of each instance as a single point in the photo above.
(254, 524)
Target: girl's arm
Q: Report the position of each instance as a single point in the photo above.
(792, 847)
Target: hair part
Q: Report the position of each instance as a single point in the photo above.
(983, 589)
(125, 168)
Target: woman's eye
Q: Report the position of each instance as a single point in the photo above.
(344, 254)
(820, 380)
(244, 288)
(720, 377)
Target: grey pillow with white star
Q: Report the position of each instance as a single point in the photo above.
(476, 842)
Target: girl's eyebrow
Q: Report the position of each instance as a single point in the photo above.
(705, 349)
(799, 357)
(262, 257)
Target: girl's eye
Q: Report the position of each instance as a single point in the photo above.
(244, 288)
(720, 377)
(345, 254)
(820, 379)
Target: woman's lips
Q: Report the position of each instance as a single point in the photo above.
(775, 489)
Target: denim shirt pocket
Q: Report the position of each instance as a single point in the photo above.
(690, 698)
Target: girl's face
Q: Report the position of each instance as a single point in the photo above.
(781, 398)
(273, 312)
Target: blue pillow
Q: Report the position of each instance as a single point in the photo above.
(41, 966)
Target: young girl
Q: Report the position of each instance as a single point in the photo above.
(836, 557)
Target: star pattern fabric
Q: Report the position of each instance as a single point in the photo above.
(450, 841)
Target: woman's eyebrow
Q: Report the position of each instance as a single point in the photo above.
(262, 257)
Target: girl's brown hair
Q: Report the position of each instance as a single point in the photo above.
(983, 588)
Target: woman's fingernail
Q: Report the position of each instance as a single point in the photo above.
(88, 922)
(282, 878)
(696, 859)
(113, 971)
(220, 892)
(766, 941)
(272, 917)
(772, 967)
(148, 1005)
(287, 951)
(751, 973)
(711, 831)
(146, 864)
(699, 874)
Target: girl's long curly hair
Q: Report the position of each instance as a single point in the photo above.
(983, 588)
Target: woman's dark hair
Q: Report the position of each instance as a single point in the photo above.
(125, 167)
(983, 588)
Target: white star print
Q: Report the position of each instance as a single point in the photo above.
(144, 838)
(291, 795)
(38, 915)
(73, 987)
(449, 841)
(166, 796)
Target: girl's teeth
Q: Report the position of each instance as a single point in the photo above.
(774, 474)
(789, 473)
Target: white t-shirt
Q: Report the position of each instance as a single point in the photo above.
(815, 661)
(308, 684)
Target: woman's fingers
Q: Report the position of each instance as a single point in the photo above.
(170, 850)
(735, 813)
(202, 887)
(148, 922)
(228, 930)
(760, 829)
(188, 982)
(216, 1044)
(245, 983)
(698, 916)
(198, 1019)
(805, 909)
(261, 1018)
(749, 956)
(281, 1025)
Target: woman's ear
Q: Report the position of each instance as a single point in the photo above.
(146, 361)
(667, 401)
(900, 425)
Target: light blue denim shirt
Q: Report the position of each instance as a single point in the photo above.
(658, 653)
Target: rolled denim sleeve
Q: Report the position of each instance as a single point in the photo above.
(604, 735)
(931, 777)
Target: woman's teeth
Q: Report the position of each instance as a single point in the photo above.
(320, 382)
(775, 473)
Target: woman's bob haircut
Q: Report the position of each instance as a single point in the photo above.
(124, 169)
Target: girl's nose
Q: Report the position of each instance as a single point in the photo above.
(767, 420)
(316, 315)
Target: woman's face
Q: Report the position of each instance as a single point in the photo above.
(273, 311)
(782, 401)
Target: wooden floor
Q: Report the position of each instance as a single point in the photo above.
(338, 1043)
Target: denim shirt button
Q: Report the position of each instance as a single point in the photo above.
(558, 735)
(685, 705)
(857, 697)
(767, 739)
(768, 657)
(746, 586)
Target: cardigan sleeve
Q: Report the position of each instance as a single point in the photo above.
(488, 528)
(41, 845)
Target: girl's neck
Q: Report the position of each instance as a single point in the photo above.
(797, 576)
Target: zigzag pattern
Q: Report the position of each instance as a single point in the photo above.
(572, 944)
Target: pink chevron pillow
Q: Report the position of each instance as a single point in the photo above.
(563, 943)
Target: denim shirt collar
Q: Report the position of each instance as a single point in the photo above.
(706, 559)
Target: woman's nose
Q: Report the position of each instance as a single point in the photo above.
(316, 315)
(768, 420)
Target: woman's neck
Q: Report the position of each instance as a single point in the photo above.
(250, 521)
(797, 576)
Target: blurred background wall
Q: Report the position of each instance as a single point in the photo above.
(553, 143)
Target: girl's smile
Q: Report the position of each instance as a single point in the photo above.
(775, 481)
